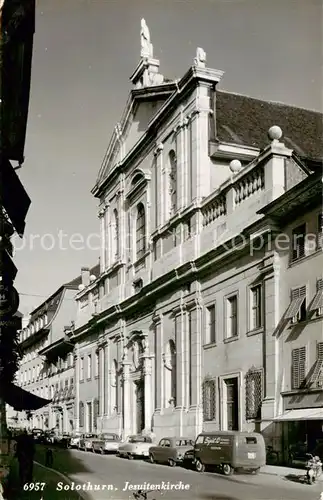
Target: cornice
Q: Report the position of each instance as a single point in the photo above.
(194, 303)
(159, 149)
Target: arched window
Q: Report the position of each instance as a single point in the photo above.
(172, 181)
(137, 178)
(169, 359)
(140, 231)
(116, 235)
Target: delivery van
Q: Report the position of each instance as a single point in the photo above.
(229, 450)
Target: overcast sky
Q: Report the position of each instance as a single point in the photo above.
(84, 53)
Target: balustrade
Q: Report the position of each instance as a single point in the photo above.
(249, 185)
(214, 209)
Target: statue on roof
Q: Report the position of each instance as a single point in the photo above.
(146, 45)
(200, 58)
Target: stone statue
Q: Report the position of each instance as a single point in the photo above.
(145, 345)
(146, 46)
(200, 58)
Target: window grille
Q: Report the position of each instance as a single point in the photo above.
(140, 231)
(254, 393)
(96, 411)
(81, 414)
(209, 400)
(298, 367)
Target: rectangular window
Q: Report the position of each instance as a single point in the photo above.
(81, 369)
(232, 316)
(89, 366)
(298, 242)
(296, 311)
(210, 324)
(96, 370)
(298, 367)
(256, 307)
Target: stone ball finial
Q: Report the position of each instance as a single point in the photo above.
(235, 166)
(92, 277)
(81, 287)
(275, 133)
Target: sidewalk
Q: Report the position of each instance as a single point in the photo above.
(276, 470)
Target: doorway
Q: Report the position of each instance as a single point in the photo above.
(140, 405)
(232, 404)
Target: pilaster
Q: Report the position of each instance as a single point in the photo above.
(159, 379)
(180, 164)
(107, 379)
(107, 232)
(77, 390)
(160, 188)
(148, 371)
(126, 397)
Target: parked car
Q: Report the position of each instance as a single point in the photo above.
(189, 459)
(86, 442)
(135, 446)
(170, 450)
(75, 440)
(106, 443)
(230, 450)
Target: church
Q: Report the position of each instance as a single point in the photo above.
(183, 328)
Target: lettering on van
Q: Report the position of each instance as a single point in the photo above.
(219, 440)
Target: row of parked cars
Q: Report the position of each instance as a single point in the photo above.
(227, 450)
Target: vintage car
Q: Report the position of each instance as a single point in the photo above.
(170, 450)
(106, 443)
(86, 442)
(75, 440)
(135, 446)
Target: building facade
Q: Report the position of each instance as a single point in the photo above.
(177, 333)
(47, 364)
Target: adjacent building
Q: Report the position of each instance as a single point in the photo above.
(182, 329)
(47, 365)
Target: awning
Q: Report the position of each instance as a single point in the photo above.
(302, 414)
(20, 400)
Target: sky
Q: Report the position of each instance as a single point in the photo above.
(84, 54)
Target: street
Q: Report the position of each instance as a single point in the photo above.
(118, 473)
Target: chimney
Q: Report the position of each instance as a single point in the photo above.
(85, 275)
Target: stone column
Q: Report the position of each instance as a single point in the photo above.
(147, 360)
(195, 363)
(103, 238)
(159, 367)
(271, 345)
(181, 354)
(102, 379)
(107, 380)
(126, 404)
(180, 164)
(159, 185)
(108, 236)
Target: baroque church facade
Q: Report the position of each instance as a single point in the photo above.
(177, 333)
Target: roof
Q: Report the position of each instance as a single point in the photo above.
(73, 284)
(245, 120)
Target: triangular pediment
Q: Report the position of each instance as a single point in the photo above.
(141, 107)
(295, 172)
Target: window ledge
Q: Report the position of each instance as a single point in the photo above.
(88, 379)
(231, 339)
(141, 259)
(305, 322)
(81, 381)
(209, 345)
(256, 331)
(295, 262)
(96, 377)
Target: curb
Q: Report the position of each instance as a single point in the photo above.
(82, 494)
(320, 479)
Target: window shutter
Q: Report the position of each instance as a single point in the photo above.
(298, 367)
